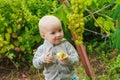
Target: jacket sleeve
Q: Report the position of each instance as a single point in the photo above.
(38, 59)
(72, 54)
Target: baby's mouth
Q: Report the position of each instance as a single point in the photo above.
(58, 39)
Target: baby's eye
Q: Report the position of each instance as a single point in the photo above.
(60, 30)
(52, 32)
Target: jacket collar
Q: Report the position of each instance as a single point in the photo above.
(49, 45)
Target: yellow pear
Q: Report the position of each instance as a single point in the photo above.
(61, 55)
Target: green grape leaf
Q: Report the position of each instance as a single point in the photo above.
(61, 13)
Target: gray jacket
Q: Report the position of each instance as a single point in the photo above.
(57, 70)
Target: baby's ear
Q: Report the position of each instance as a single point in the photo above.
(42, 35)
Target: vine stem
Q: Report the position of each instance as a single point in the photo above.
(100, 10)
(96, 20)
(104, 16)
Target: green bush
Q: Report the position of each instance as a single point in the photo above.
(19, 33)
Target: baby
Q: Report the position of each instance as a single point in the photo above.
(61, 68)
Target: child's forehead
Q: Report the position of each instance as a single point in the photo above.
(53, 26)
(49, 19)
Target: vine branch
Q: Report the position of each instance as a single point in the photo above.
(100, 9)
(96, 20)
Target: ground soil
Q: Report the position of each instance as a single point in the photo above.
(9, 72)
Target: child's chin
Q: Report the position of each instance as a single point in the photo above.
(57, 43)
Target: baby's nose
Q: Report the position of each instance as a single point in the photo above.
(58, 34)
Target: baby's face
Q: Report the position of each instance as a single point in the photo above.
(53, 33)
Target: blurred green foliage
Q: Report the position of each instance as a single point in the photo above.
(19, 33)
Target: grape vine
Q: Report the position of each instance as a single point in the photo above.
(76, 19)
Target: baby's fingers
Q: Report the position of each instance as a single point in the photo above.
(48, 58)
(64, 60)
(48, 61)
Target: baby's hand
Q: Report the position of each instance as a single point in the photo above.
(64, 59)
(48, 58)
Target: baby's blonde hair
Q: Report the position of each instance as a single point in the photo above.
(47, 21)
